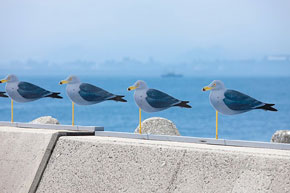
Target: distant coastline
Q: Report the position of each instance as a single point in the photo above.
(171, 75)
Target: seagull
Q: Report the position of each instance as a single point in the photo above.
(87, 94)
(2, 94)
(231, 102)
(24, 91)
(152, 100)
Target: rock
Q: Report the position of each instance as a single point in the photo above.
(45, 120)
(281, 136)
(158, 126)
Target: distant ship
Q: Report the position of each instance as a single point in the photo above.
(171, 75)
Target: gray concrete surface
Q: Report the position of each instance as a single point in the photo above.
(24, 154)
(158, 126)
(108, 164)
(52, 126)
(281, 136)
(184, 139)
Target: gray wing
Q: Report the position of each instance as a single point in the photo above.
(239, 101)
(92, 93)
(158, 99)
(31, 91)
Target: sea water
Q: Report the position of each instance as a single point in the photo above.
(199, 121)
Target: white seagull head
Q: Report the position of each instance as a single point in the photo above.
(215, 85)
(9, 78)
(139, 85)
(70, 80)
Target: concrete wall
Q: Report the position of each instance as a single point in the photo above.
(108, 164)
(24, 154)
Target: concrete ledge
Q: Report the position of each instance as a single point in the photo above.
(127, 162)
(24, 154)
(110, 164)
(208, 141)
(52, 126)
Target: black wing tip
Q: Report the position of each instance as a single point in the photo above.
(54, 95)
(2, 94)
(268, 107)
(183, 104)
(119, 98)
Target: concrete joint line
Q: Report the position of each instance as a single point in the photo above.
(47, 155)
(171, 186)
(44, 162)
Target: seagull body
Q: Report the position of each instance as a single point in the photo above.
(87, 94)
(152, 100)
(2, 94)
(24, 91)
(231, 102)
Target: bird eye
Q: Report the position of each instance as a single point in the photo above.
(214, 84)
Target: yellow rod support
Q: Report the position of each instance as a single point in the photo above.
(140, 121)
(12, 111)
(73, 114)
(216, 125)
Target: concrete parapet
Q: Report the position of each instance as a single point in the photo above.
(109, 164)
(24, 154)
(52, 126)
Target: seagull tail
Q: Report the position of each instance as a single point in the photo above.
(267, 107)
(183, 104)
(54, 95)
(118, 98)
(2, 94)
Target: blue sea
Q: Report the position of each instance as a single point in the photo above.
(257, 125)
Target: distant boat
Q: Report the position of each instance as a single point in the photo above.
(171, 75)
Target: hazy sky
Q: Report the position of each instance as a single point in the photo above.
(65, 30)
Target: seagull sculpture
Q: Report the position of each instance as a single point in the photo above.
(231, 102)
(87, 94)
(152, 100)
(25, 92)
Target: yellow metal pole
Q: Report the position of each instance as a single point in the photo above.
(216, 125)
(12, 111)
(140, 121)
(73, 113)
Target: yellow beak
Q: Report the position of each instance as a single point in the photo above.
(63, 82)
(206, 88)
(4, 80)
(132, 88)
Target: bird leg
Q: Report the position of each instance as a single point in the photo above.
(12, 111)
(216, 125)
(140, 121)
(73, 113)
